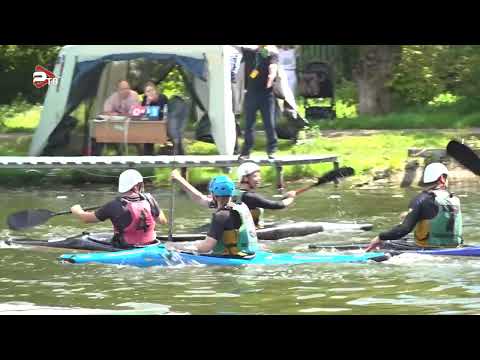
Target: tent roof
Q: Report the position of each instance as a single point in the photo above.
(94, 51)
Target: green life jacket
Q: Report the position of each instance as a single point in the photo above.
(257, 213)
(242, 241)
(445, 229)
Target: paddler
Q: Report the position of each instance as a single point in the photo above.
(232, 231)
(133, 214)
(435, 214)
(249, 179)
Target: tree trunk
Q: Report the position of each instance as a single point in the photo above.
(373, 74)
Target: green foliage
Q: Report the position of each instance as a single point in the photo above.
(20, 116)
(17, 63)
(174, 84)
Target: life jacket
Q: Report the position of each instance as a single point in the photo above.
(141, 230)
(445, 229)
(242, 241)
(257, 213)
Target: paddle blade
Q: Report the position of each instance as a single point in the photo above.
(333, 175)
(464, 155)
(28, 218)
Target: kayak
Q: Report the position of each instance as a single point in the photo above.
(158, 255)
(400, 247)
(85, 241)
(281, 231)
(102, 241)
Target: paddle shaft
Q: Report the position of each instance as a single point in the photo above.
(69, 212)
(172, 201)
(302, 190)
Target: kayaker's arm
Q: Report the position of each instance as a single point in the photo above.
(194, 194)
(254, 200)
(85, 216)
(404, 228)
(161, 219)
(200, 246)
(415, 214)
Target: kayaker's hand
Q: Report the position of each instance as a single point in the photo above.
(374, 244)
(291, 194)
(175, 175)
(76, 209)
(403, 215)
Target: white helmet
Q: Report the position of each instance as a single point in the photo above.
(128, 179)
(247, 168)
(433, 171)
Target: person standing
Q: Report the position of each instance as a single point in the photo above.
(261, 69)
(288, 60)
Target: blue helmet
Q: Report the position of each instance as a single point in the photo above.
(221, 186)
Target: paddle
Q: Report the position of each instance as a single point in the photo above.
(172, 200)
(464, 155)
(330, 176)
(33, 217)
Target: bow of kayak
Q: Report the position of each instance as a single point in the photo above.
(159, 256)
(403, 247)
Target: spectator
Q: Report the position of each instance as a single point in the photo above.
(287, 57)
(120, 102)
(261, 66)
(153, 98)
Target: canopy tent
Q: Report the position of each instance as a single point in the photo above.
(83, 71)
(92, 71)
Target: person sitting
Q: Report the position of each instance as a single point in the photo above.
(232, 231)
(153, 98)
(133, 214)
(120, 102)
(435, 214)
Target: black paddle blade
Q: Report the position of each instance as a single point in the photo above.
(28, 218)
(342, 172)
(464, 155)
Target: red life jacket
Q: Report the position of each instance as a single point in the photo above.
(141, 230)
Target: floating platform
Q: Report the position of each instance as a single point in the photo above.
(162, 161)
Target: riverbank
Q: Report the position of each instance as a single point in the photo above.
(377, 157)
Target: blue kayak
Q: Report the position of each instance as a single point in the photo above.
(397, 247)
(157, 255)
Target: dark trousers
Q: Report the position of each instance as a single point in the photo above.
(265, 102)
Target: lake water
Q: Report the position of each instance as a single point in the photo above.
(32, 281)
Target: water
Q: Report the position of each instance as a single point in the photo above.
(33, 282)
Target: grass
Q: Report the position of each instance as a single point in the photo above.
(464, 113)
(19, 117)
(366, 154)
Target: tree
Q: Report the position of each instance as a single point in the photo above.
(373, 74)
(17, 63)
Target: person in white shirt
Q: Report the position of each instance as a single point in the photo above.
(288, 60)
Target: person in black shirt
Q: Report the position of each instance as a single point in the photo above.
(249, 179)
(232, 231)
(261, 68)
(133, 214)
(153, 98)
(434, 214)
